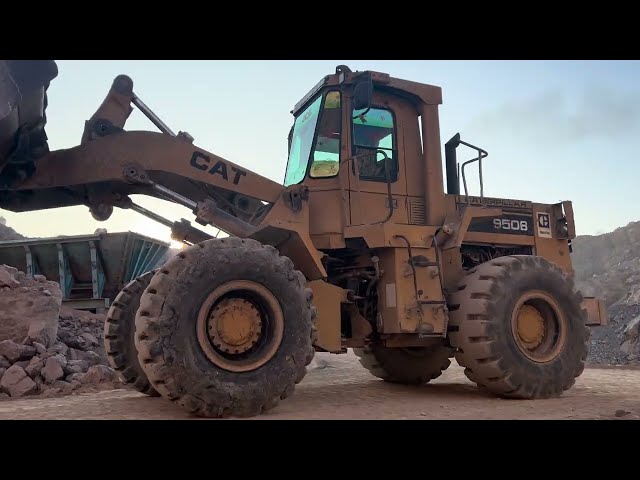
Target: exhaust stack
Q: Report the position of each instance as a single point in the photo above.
(453, 179)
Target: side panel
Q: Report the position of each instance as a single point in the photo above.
(326, 212)
(541, 226)
(556, 251)
(512, 224)
(370, 208)
(328, 299)
(410, 302)
(288, 231)
(546, 228)
(548, 242)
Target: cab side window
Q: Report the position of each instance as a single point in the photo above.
(325, 159)
(374, 139)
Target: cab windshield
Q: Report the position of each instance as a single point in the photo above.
(323, 116)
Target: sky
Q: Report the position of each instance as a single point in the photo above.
(554, 130)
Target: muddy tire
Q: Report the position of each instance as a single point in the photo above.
(225, 328)
(119, 335)
(410, 366)
(519, 328)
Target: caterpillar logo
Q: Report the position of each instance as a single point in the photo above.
(544, 224)
(202, 162)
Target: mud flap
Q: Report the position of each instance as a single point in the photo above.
(597, 315)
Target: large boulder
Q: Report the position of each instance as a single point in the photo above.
(17, 383)
(631, 336)
(98, 374)
(632, 330)
(29, 307)
(53, 369)
(14, 352)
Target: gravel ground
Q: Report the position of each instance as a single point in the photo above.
(341, 389)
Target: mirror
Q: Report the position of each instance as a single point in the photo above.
(363, 94)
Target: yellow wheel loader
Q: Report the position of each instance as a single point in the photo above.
(359, 248)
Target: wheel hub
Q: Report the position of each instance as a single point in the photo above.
(530, 326)
(240, 326)
(539, 326)
(234, 325)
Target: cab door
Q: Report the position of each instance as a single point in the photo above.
(377, 172)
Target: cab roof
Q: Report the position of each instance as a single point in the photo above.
(415, 91)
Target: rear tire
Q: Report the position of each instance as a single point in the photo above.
(225, 328)
(519, 328)
(410, 366)
(119, 335)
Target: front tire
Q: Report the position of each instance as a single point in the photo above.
(119, 335)
(225, 328)
(519, 328)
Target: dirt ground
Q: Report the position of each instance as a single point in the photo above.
(341, 389)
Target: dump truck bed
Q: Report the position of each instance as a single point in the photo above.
(91, 269)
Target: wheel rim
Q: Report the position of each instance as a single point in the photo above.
(539, 327)
(240, 326)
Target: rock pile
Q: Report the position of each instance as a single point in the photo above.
(34, 369)
(29, 307)
(608, 266)
(47, 349)
(617, 343)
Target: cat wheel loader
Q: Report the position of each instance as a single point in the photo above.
(359, 247)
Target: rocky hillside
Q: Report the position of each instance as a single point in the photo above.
(608, 266)
(8, 233)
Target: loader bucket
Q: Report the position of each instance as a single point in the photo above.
(91, 269)
(23, 103)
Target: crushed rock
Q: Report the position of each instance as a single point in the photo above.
(617, 343)
(72, 360)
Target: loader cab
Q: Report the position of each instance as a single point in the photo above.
(358, 149)
(316, 138)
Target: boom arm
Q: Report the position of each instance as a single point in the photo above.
(111, 159)
(111, 163)
(107, 150)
